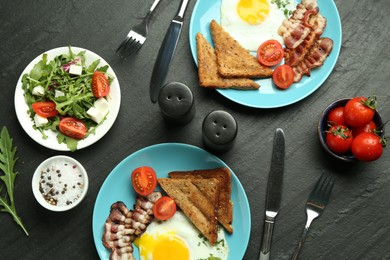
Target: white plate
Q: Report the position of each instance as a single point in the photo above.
(21, 107)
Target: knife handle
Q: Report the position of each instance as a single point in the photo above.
(267, 237)
(182, 9)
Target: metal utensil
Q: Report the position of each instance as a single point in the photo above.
(315, 205)
(166, 52)
(137, 35)
(274, 192)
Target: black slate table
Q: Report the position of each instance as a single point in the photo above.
(355, 225)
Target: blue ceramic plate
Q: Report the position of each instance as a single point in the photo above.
(268, 96)
(164, 158)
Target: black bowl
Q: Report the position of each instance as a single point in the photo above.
(323, 126)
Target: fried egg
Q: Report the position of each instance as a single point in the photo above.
(251, 22)
(178, 239)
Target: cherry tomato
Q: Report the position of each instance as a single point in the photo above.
(144, 180)
(367, 147)
(283, 76)
(336, 116)
(45, 108)
(370, 127)
(270, 53)
(359, 111)
(164, 208)
(339, 139)
(100, 85)
(72, 127)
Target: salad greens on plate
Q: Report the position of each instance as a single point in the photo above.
(61, 95)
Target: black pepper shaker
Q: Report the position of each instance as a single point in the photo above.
(176, 103)
(219, 130)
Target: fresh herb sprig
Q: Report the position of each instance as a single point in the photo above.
(7, 163)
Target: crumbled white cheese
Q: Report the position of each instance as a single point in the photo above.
(75, 69)
(95, 114)
(102, 105)
(40, 121)
(58, 93)
(38, 91)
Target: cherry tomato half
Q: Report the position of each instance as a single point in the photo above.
(367, 147)
(144, 180)
(336, 116)
(100, 85)
(283, 76)
(270, 53)
(339, 139)
(359, 111)
(164, 208)
(45, 108)
(73, 127)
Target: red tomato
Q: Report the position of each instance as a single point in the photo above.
(45, 108)
(367, 147)
(270, 53)
(336, 116)
(359, 111)
(144, 180)
(339, 139)
(100, 85)
(164, 208)
(370, 127)
(72, 127)
(283, 76)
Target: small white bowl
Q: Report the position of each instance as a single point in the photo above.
(66, 177)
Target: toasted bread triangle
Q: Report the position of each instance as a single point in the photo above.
(225, 206)
(233, 60)
(195, 205)
(208, 69)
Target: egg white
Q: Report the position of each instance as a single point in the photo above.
(181, 227)
(248, 35)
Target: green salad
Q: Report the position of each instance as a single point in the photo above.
(67, 96)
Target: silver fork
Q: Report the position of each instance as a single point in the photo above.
(315, 205)
(137, 35)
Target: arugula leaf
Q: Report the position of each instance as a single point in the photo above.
(7, 163)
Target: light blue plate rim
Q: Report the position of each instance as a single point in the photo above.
(163, 158)
(268, 96)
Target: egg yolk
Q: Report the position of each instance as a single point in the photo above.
(253, 11)
(162, 247)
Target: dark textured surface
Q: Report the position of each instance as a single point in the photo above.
(355, 225)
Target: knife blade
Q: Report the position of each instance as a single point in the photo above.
(274, 192)
(166, 52)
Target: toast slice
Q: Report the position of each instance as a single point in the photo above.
(225, 206)
(232, 59)
(195, 205)
(208, 69)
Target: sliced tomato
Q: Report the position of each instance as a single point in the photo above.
(144, 180)
(100, 85)
(73, 127)
(283, 76)
(270, 53)
(45, 108)
(164, 208)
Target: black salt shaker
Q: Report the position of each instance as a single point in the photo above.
(219, 130)
(176, 103)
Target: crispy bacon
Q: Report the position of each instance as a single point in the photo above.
(315, 58)
(123, 225)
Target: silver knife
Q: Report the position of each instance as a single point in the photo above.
(165, 54)
(274, 192)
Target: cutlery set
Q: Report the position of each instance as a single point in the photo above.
(318, 198)
(137, 36)
(315, 205)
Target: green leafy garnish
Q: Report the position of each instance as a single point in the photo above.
(7, 163)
